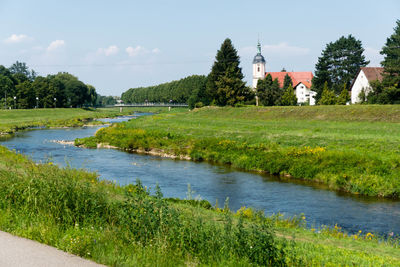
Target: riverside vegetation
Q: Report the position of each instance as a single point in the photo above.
(127, 226)
(350, 148)
(19, 119)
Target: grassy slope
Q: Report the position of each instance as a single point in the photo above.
(12, 120)
(85, 217)
(352, 148)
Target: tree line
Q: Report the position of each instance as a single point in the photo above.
(223, 86)
(176, 91)
(22, 88)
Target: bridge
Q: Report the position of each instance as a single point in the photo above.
(148, 104)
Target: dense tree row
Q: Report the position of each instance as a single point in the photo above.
(270, 94)
(178, 91)
(22, 88)
(223, 86)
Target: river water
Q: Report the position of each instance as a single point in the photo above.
(212, 182)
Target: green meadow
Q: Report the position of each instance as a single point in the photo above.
(18, 119)
(350, 148)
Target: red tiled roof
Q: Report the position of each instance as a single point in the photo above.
(304, 77)
(373, 73)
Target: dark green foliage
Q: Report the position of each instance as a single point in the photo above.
(21, 71)
(225, 84)
(102, 101)
(61, 90)
(344, 96)
(391, 62)
(328, 97)
(230, 90)
(388, 91)
(338, 64)
(383, 94)
(288, 98)
(362, 96)
(287, 81)
(268, 91)
(191, 87)
(25, 94)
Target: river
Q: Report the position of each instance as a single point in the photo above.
(212, 182)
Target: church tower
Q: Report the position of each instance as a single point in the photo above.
(258, 66)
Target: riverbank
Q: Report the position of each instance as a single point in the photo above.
(348, 148)
(14, 120)
(73, 211)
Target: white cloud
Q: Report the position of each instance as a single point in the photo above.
(134, 51)
(17, 38)
(156, 51)
(55, 45)
(111, 50)
(140, 50)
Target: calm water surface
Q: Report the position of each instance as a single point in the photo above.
(211, 182)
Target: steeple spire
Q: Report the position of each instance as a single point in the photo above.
(259, 47)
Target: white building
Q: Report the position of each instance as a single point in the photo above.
(301, 80)
(304, 94)
(258, 66)
(362, 81)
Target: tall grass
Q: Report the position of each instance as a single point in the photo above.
(71, 210)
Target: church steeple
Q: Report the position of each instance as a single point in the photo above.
(258, 66)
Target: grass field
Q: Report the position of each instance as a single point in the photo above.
(351, 148)
(126, 226)
(17, 119)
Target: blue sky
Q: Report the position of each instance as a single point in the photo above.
(117, 45)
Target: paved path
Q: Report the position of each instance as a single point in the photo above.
(21, 252)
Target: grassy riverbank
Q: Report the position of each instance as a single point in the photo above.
(126, 226)
(350, 148)
(18, 119)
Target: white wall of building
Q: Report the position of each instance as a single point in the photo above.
(258, 73)
(304, 94)
(360, 83)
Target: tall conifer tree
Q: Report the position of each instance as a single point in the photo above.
(391, 62)
(225, 84)
(288, 98)
(287, 81)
